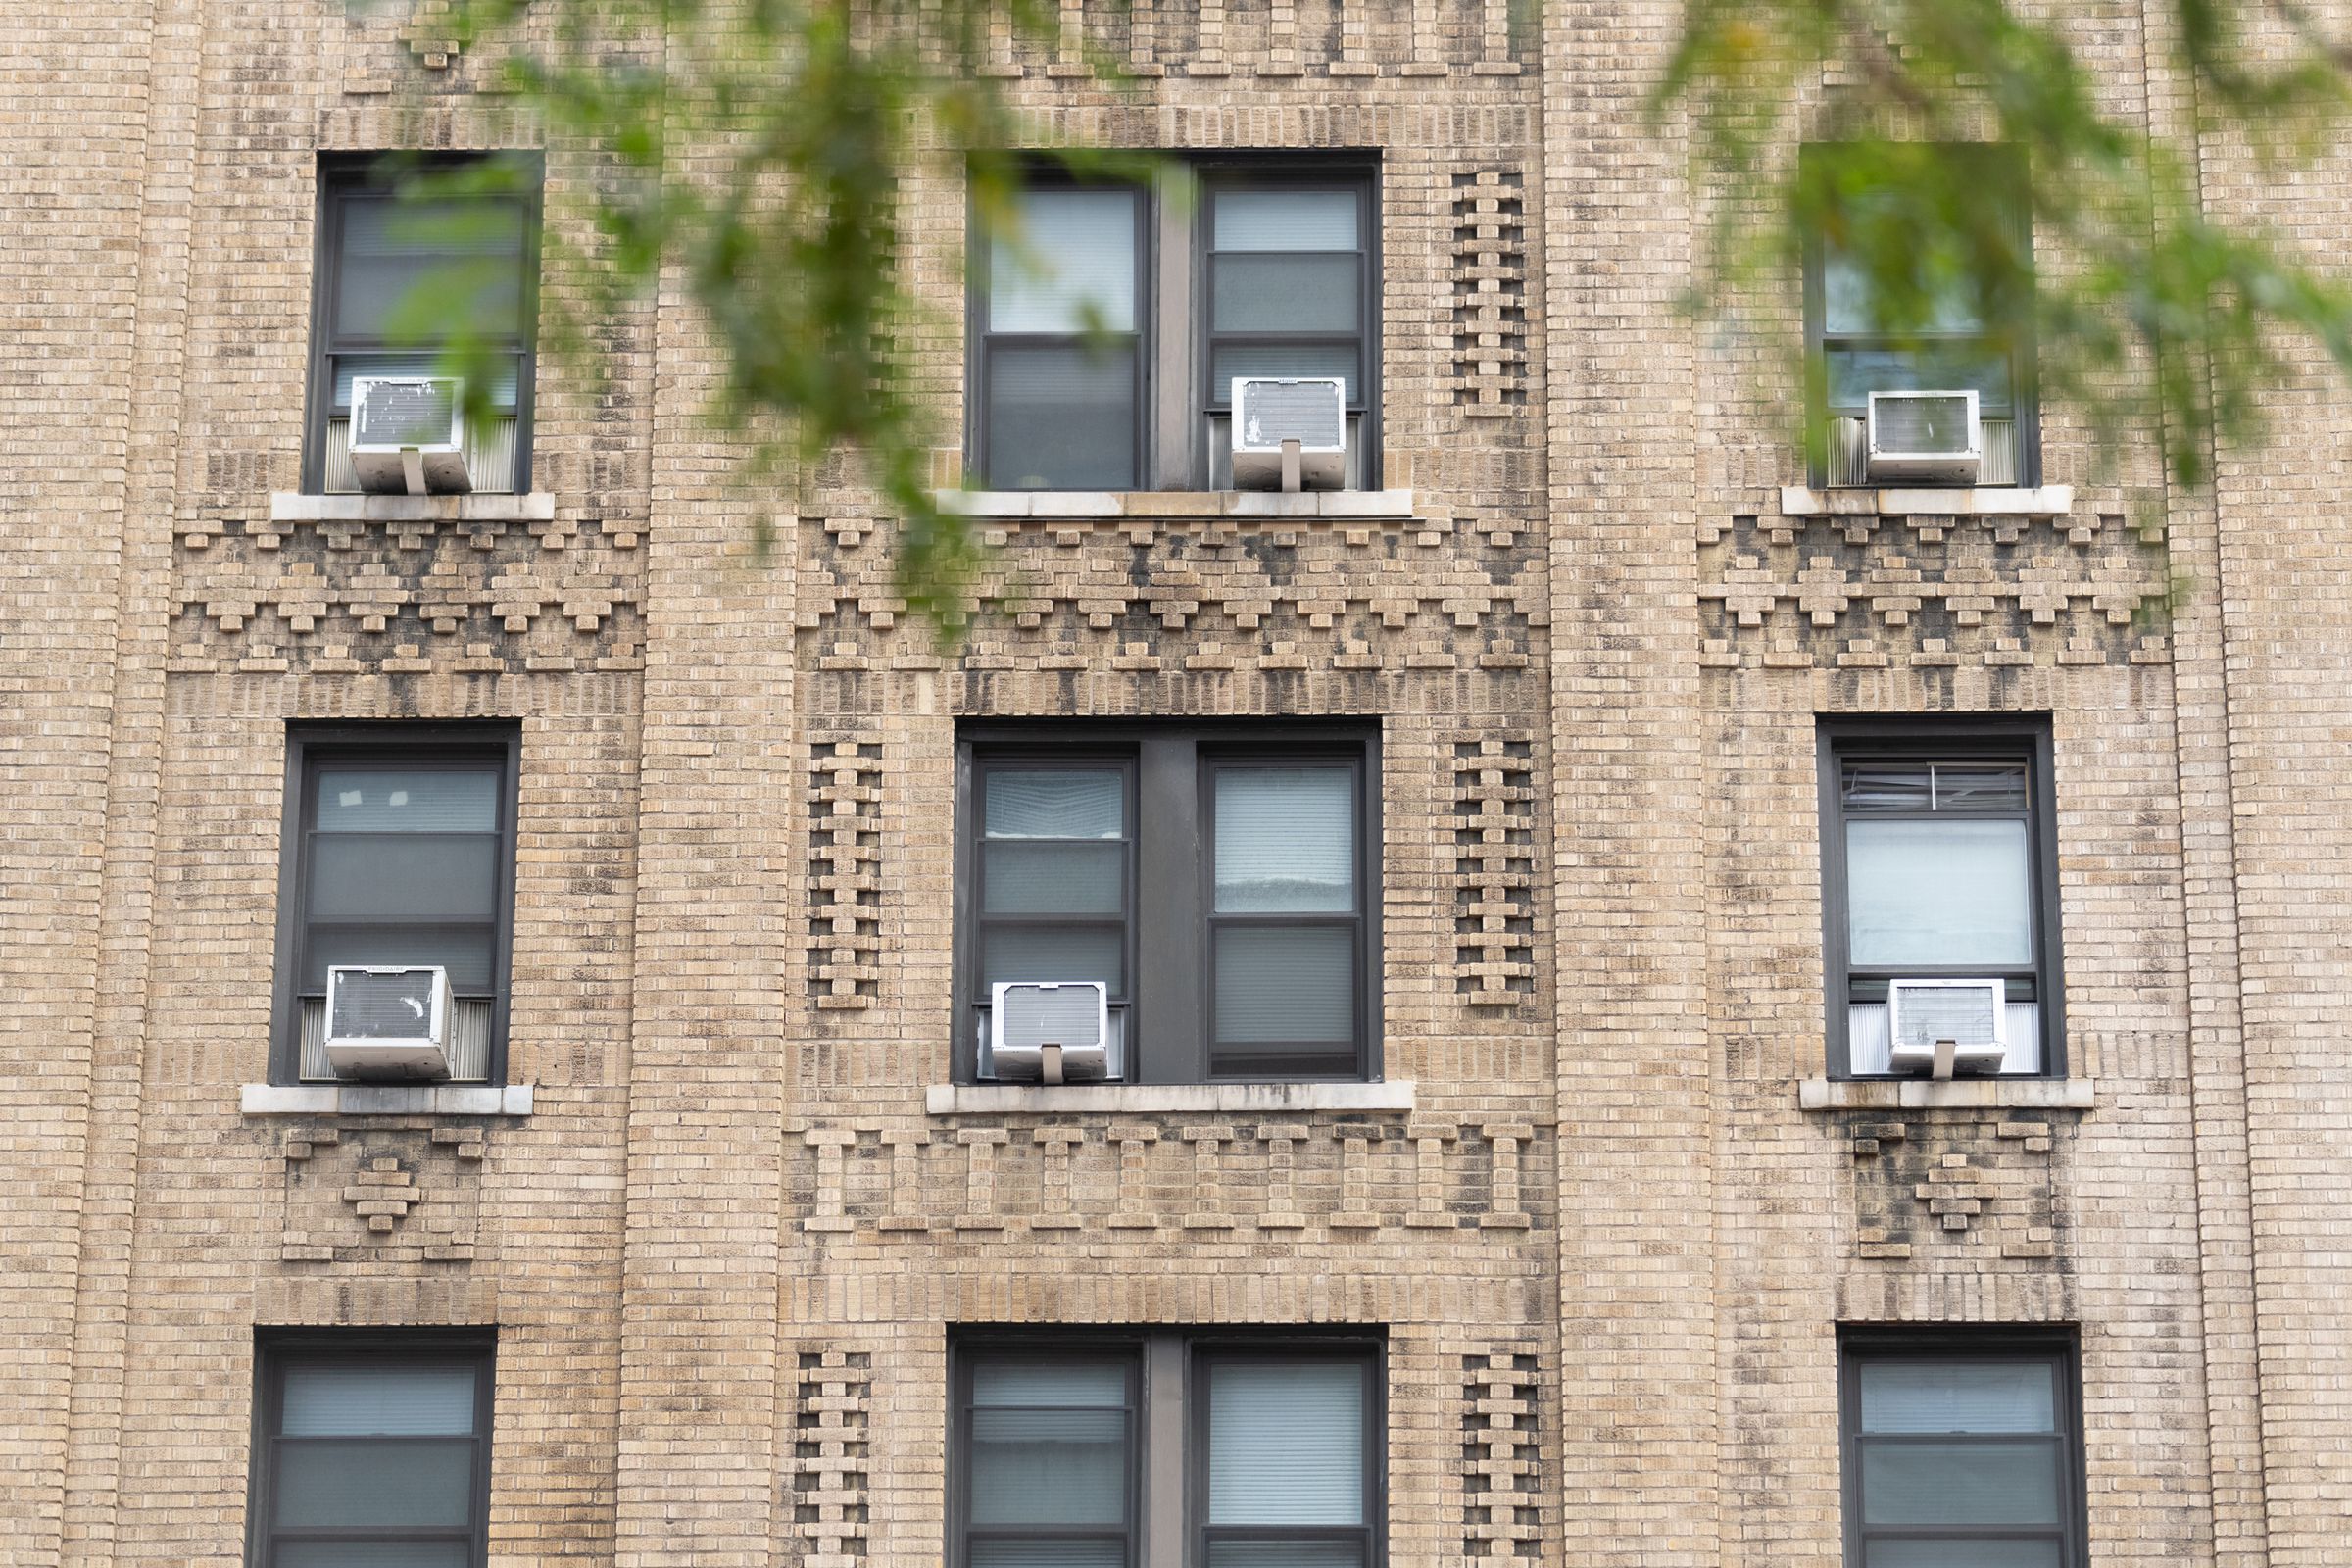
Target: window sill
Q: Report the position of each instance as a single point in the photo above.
(2049, 501)
(957, 1099)
(385, 1099)
(1350, 505)
(1956, 1093)
(537, 506)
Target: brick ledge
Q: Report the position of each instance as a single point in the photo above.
(1988, 501)
(385, 1099)
(1268, 506)
(538, 506)
(956, 1099)
(1956, 1093)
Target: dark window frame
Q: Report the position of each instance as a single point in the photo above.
(1170, 887)
(1194, 1348)
(340, 177)
(387, 742)
(1955, 739)
(277, 1350)
(2001, 163)
(1858, 1345)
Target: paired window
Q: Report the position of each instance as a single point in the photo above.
(399, 849)
(1220, 883)
(476, 256)
(1106, 336)
(1938, 863)
(1955, 324)
(371, 1448)
(1167, 1449)
(1962, 1453)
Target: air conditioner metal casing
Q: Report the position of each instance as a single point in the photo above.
(1970, 1014)
(408, 434)
(1268, 409)
(389, 1021)
(1027, 1016)
(1926, 436)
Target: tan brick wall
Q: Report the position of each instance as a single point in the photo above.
(726, 1251)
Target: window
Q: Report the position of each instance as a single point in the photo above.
(399, 849)
(1938, 863)
(1220, 882)
(1160, 1450)
(371, 1448)
(367, 318)
(1955, 324)
(1106, 341)
(1962, 1453)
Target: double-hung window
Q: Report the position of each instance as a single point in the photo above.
(1107, 331)
(1220, 882)
(399, 851)
(1959, 322)
(1167, 1449)
(372, 1449)
(421, 287)
(1938, 864)
(1962, 1451)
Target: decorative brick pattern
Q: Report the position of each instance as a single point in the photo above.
(1490, 292)
(1504, 1500)
(831, 1407)
(1959, 1177)
(1494, 868)
(845, 873)
(384, 1197)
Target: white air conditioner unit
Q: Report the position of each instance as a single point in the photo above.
(1939, 1026)
(1289, 432)
(1925, 435)
(408, 434)
(1050, 1030)
(389, 1021)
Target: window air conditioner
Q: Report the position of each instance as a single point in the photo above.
(1050, 1030)
(1277, 416)
(1941, 1025)
(1925, 435)
(408, 434)
(389, 1021)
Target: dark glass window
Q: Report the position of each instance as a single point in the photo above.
(1221, 882)
(1962, 1453)
(399, 849)
(374, 1450)
(480, 250)
(1938, 864)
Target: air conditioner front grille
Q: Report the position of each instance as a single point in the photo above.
(1967, 1014)
(1923, 424)
(468, 1046)
(1066, 1016)
(1311, 412)
(406, 413)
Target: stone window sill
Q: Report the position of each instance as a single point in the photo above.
(1334, 506)
(538, 506)
(2049, 501)
(385, 1099)
(1240, 1099)
(1955, 1094)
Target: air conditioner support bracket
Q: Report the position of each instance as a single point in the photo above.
(1290, 468)
(1050, 1064)
(1948, 1053)
(411, 469)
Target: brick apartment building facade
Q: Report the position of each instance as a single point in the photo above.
(1507, 1171)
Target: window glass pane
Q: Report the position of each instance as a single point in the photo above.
(1062, 416)
(1970, 1481)
(396, 876)
(1229, 360)
(371, 1555)
(390, 1400)
(374, 1480)
(1980, 1553)
(1073, 268)
(1285, 1555)
(1980, 787)
(1019, 878)
(1049, 1467)
(1280, 985)
(1286, 294)
(1954, 891)
(1957, 1395)
(1849, 306)
(470, 251)
(1054, 953)
(1065, 803)
(1048, 1554)
(1856, 373)
(470, 954)
(508, 372)
(1064, 1383)
(1286, 1442)
(1286, 840)
(394, 800)
(1889, 787)
(1286, 220)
